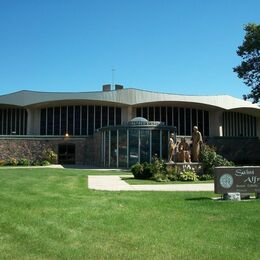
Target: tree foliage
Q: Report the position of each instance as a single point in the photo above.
(249, 69)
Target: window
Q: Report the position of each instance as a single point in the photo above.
(84, 119)
(156, 143)
(145, 115)
(182, 131)
(151, 113)
(157, 113)
(206, 123)
(9, 122)
(163, 114)
(57, 120)
(104, 116)
(111, 116)
(63, 120)
(97, 117)
(176, 118)
(13, 121)
(122, 142)
(169, 115)
(118, 116)
(200, 121)
(113, 147)
(43, 121)
(194, 118)
(188, 122)
(138, 112)
(49, 120)
(70, 120)
(90, 120)
(77, 120)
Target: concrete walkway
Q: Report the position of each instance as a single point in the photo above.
(115, 183)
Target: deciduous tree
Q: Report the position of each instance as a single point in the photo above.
(249, 69)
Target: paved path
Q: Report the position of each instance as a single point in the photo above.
(115, 183)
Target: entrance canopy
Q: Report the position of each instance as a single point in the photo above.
(136, 141)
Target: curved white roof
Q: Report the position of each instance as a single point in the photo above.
(127, 97)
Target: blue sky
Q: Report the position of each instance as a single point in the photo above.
(183, 47)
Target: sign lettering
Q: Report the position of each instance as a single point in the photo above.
(237, 179)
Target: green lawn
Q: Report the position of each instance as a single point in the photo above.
(50, 214)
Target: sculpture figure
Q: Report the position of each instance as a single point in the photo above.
(183, 151)
(172, 146)
(196, 142)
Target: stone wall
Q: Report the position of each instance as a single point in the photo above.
(240, 150)
(32, 148)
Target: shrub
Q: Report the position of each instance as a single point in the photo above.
(157, 170)
(11, 162)
(142, 171)
(50, 156)
(210, 159)
(137, 170)
(173, 174)
(160, 177)
(44, 163)
(158, 166)
(23, 162)
(147, 170)
(36, 163)
(188, 175)
(2, 162)
(205, 177)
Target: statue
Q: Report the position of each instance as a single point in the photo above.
(196, 142)
(183, 151)
(172, 146)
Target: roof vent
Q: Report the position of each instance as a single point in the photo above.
(107, 87)
(118, 87)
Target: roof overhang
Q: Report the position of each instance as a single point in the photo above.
(130, 96)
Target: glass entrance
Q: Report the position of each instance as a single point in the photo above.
(136, 142)
(144, 146)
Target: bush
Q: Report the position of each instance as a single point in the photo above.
(210, 159)
(158, 166)
(137, 170)
(2, 162)
(44, 163)
(36, 163)
(160, 177)
(142, 171)
(11, 162)
(173, 174)
(50, 156)
(157, 170)
(188, 175)
(147, 170)
(205, 177)
(23, 162)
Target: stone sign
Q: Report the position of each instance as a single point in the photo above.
(237, 179)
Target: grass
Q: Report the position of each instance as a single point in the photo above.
(50, 214)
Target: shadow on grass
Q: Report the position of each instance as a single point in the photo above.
(199, 199)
